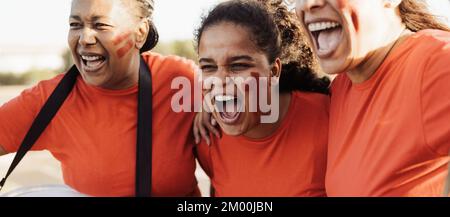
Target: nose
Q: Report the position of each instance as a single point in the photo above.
(308, 5)
(87, 37)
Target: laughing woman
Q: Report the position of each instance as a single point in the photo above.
(390, 105)
(94, 133)
(249, 39)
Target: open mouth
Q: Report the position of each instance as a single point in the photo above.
(92, 62)
(228, 107)
(327, 37)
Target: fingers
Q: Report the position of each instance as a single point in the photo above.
(204, 134)
(195, 129)
(207, 120)
(212, 128)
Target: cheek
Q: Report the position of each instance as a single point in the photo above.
(123, 44)
(72, 41)
(342, 4)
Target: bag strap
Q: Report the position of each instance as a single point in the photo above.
(144, 131)
(43, 119)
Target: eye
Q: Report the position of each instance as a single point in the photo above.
(75, 25)
(101, 26)
(235, 67)
(208, 68)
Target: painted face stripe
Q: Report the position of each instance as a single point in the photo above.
(125, 49)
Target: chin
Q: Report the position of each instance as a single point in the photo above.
(332, 66)
(232, 131)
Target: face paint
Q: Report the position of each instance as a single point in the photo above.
(124, 50)
(355, 21)
(344, 5)
(122, 37)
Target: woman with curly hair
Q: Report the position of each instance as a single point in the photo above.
(286, 157)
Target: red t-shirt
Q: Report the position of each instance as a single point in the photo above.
(390, 135)
(290, 162)
(94, 133)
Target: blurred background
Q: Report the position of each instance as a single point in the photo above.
(33, 47)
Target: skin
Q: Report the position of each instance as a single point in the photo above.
(2, 151)
(110, 28)
(370, 30)
(234, 55)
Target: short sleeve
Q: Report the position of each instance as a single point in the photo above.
(17, 115)
(435, 101)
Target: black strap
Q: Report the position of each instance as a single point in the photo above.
(144, 131)
(40, 123)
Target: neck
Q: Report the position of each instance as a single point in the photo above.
(374, 59)
(265, 130)
(130, 77)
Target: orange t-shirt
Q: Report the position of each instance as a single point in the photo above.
(390, 135)
(290, 162)
(94, 133)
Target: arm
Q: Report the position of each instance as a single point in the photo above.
(16, 117)
(2, 151)
(435, 103)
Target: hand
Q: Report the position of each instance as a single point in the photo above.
(203, 124)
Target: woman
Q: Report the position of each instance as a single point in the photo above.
(287, 157)
(94, 133)
(390, 106)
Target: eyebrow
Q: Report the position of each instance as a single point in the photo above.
(242, 57)
(207, 60)
(93, 18)
(231, 59)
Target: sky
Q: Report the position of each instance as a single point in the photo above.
(46, 21)
(34, 32)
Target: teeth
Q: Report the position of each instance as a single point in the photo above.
(320, 26)
(91, 58)
(225, 98)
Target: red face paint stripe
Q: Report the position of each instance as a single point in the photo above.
(122, 37)
(342, 3)
(355, 21)
(124, 50)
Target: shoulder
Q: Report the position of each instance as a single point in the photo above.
(312, 102)
(430, 51)
(170, 66)
(430, 44)
(339, 82)
(42, 90)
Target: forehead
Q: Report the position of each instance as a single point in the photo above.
(226, 39)
(98, 8)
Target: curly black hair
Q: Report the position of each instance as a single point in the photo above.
(277, 33)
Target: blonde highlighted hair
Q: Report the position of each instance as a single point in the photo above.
(416, 16)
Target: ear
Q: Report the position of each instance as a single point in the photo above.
(391, 3)
(276, 71)
(142, 31)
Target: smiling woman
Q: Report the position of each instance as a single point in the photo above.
(260, 40)
(94, 132)
(390, 105)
